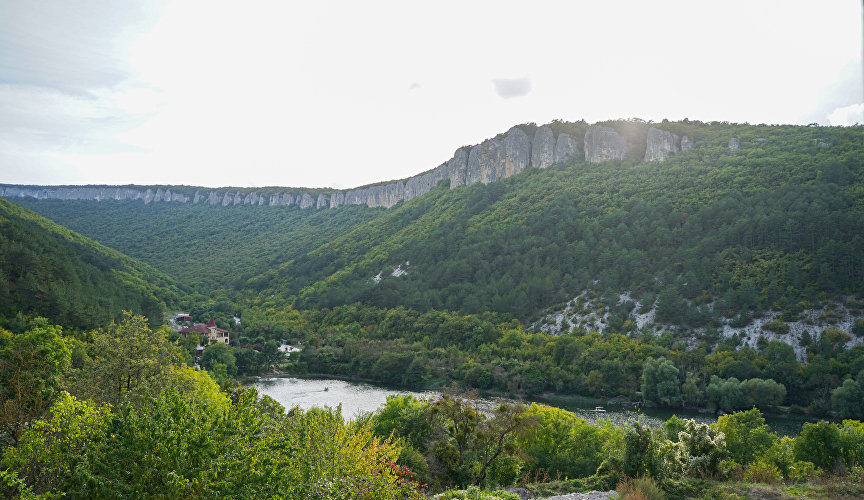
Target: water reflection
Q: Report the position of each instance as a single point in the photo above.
(355, 398)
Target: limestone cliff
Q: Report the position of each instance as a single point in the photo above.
(493, 159)
(498, 158)
(543, 148)
(566, 148)
(604, 144)
(660, 144)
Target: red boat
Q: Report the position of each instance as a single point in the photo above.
(599, 409)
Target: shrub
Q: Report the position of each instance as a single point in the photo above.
(858, 327)
(475, 493)
(747, 435)
(801, 472)
(762, 472)
(776, 326)
(641, 488)
(700, 450)
(818, 443)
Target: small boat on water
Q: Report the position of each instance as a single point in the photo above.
(599, 409)
(326, 389)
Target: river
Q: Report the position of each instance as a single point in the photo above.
(357, 398)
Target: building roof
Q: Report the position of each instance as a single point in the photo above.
(199, 328)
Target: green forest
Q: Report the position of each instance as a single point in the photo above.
(455, 291)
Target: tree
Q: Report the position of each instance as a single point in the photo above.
(31, 365)
(562, 443)
(848, 400)
(466, 444)
(130, 362)
(219, 354)
(51, 449)
(660, 384)
(818, 443)
(642, 455)
(700, 450)
(747, 435)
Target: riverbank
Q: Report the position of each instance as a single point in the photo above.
(780, 419)
(357, 394)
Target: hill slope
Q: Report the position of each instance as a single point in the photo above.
(710, 232)
(208, 247)
(744, 219)
(48, 270)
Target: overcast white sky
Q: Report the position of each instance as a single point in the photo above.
(340, 94)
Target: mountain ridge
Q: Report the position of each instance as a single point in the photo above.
(502, 156)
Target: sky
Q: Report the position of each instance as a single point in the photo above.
(345, 93)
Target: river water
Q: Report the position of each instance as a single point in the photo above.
(357, 398)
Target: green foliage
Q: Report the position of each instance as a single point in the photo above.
(852, 443)
(660, 383)
(762, 472)
(181, 447)
(848, 399)
(642, 453)
(801, 472)
(55, 446)
(562, 443)
(467, 445)
(129, 361)
(47, 270)
(219, 354)
(31, 366)
(475, 493)
(730, 394)
(699, 451)
(203, 245)
(746, 434)
(776, 326)
(818, 443)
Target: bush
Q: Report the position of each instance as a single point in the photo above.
(858, 327)
(475, 493)
(761, 472)
(700, 450)
(818, 443)
(641, 488)
(802, 472)
(776, 326)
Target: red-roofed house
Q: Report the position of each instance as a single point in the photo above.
(211, 332)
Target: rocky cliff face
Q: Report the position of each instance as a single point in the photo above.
(604, 144)
(660, 144)
(487, 162)
(498, 158)
(543, 148)
(567, 148)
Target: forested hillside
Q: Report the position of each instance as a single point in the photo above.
(717, 231)
(708, 233)
(50, 271)
(210, 247)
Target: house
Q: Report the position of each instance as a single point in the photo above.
(209, 331)
(182, 317)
